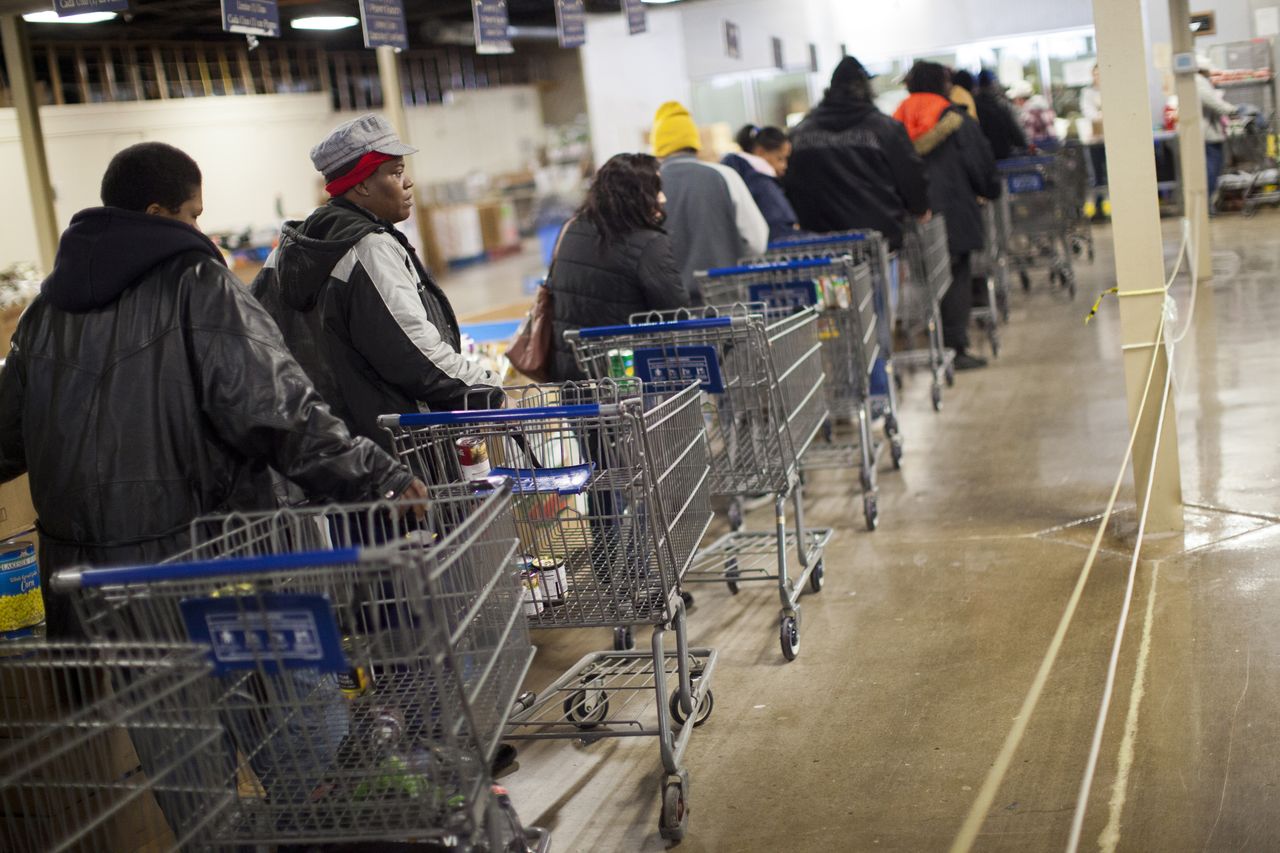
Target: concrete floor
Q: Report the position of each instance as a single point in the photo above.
(918, 653)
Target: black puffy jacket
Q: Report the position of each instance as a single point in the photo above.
(367, 321)
(145, 387)
(597, 285)
(960, 168)
(999, 124)
(851, 167)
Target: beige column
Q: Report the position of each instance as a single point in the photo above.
(392, 94)
(1135, 216)
(17, 60)
(1195, 193)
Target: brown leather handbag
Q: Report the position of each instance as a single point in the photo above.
(533, 350)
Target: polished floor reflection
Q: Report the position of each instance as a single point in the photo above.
(919, 651)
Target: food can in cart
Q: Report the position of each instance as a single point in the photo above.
(531, 581)
(552, 578)
(473, 456)
(354, 680)
(21, 602)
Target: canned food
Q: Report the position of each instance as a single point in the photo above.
(551, 577)
(622, 363)
(388, 726)
(473, 456)
(21, 603)
(354, 680)
(534, 598)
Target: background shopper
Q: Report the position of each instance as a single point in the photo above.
(961, 169)
(614, 258)
(762, 163)
(711, 217)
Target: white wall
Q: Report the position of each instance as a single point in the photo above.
(628, 77)
(253, 151)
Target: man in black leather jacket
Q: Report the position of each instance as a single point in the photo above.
(145, 387)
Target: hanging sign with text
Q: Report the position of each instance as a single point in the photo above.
(571, 22)
(636, 19)
(81, 7)
(252, 17)
(384, 25)
(492, 26)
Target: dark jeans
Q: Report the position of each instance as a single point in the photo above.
(957, 304)
(1213, 156)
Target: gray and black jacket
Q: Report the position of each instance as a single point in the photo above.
(368, 323)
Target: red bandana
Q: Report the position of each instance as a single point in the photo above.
(364, 167)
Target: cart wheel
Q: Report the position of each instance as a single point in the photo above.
(675, 808)
(624, 639)
(870, 511)
(828, 431)
(704, 709)
(687, 598)
(789, 636)
(1249, 210)
(1070, 280)
(815, 577)
(731, 572)
(524, 702)
(587, 709)
(895, 452)
(936, 394)
(950, 374)
(1053, 277)
(890, 425)
(1026, 280)
(735, 514)
(864, 480)
(994, 339)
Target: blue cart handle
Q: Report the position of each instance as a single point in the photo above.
(1015, 163)
(71, 579)
(768, 266)
(533, 413)
(818, 240)
(655, 328)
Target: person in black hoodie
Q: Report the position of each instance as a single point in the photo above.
(851, 165)
(146, 388)
(997, 118)
(356, 306)
(961, 169)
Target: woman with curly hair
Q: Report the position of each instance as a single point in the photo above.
(614, 259)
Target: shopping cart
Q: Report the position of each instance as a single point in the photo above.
(611, 484)
(926, 277)
(70, 717)
(761, 377)
(1039, 218)
(989, 269)
(841, 291)
(871, 248)
(1073, 172)
(365, 658)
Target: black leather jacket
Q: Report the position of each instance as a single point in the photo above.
(146, 387)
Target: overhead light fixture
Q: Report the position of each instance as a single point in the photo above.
(325, 22)
(658, 2)
(51, 17)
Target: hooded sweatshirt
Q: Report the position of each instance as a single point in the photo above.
(959, 163)
(146, 388)
(852, 167)
(367, 321)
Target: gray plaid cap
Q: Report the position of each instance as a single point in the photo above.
(350, 141)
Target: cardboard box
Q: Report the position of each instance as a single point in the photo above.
(8, 323)
(17, 514)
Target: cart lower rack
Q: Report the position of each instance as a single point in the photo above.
(611, 501)
(365, 661)
(991, 268)
(761, 379)
(841, 291)
(925, 281)
(871, 248)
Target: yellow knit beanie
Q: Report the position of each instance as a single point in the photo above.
(674, 130)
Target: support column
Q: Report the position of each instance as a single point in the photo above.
(22, 85)
(392, 94)
(1195, 192)
(1139, 249)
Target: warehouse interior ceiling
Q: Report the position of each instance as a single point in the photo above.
(430, 23)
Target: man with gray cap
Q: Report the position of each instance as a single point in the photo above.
(357, 308)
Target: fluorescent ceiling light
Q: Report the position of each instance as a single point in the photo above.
(51, 17)
(658, 2)
(324, 22)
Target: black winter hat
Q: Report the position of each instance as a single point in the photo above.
(849, 70)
